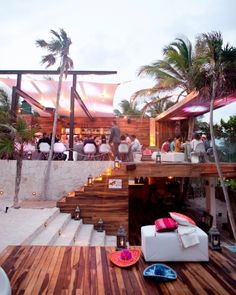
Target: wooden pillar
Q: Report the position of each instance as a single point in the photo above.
(152, 132)
(72, 119)
(158, 144)
(191, 122)
(210, 198)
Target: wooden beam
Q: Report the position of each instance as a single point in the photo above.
(32, 100)
(82, 104)
(46, 72)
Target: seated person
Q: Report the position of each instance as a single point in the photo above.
(89, 139)
(165, 148)
(135, 144)
(178, 145)
(45, 138)
(103, 138)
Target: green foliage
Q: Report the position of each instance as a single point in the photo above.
(13, 137)
(4, 107)
(127, 109)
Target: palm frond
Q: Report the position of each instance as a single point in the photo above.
(55, 46)
(49, 60)
(41, 43)
(6, 147)
(63, 35)
(56, 35)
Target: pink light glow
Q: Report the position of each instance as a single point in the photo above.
(195, 109)
(178, 118)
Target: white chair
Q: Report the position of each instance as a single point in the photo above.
(90, 151)
(104, 151)
(58, 151)
(5, 287)
(44, 149)
(123, 150)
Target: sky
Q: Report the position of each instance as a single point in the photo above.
(111, 35)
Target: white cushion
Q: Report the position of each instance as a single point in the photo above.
(169, 157)
(166, 246)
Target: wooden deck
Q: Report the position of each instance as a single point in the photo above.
(87, 270)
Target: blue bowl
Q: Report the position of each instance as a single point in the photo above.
(160, 272)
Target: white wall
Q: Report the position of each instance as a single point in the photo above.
(65, 176)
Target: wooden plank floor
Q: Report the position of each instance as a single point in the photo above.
(87, 270)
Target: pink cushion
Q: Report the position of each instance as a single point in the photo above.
(182, 219)
(165, 224)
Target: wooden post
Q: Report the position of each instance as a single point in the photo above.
(210, 198)
(152, 132)
(191, 122)
(72, 119)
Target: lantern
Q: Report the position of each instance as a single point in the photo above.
(121, 238)
(100, 225)
(29, 155)
(158, 157)
(214, 239)
(117, 164)
(77, 213)
(90, 179)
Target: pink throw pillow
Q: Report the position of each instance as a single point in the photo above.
(165, 224)
(182, 219)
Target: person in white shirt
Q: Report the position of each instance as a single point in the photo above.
(135, 144)
(195, 141)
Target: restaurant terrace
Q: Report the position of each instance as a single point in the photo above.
(132, 194)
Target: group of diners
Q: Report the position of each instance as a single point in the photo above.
(199, 140)
(98, 147)
(106, 148)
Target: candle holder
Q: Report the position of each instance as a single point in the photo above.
(90, 179)
(158, 157)
(121, 242)
(117, 164)
(214, 239)
(100, 225)
(77, 213)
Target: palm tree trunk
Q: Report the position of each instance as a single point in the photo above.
(54, 129)
(19, 163)
(217, 162)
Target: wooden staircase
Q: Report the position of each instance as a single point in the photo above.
(99, 201)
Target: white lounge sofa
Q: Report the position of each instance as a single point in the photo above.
(170, 157)
(166, 246)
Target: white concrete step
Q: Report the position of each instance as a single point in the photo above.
(37, 222)
(52, 230)
(110, 241)
(84, 235)
(69, 234)
(98, 238)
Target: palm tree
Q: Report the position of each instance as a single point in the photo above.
(58, 47)
(4, 107)
(220, 70)
(127, 109)
(177, 72)
(13, 137)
